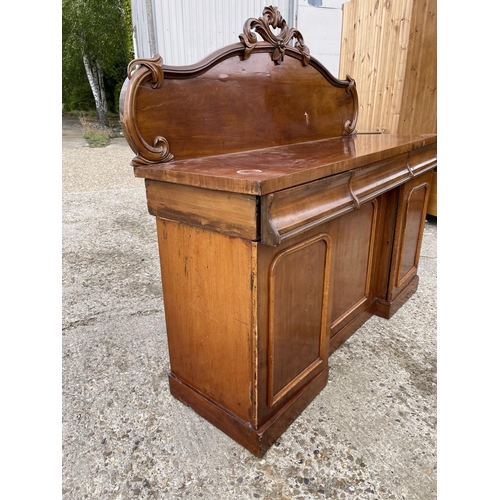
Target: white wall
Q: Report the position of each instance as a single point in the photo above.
(320, 22)
(189, 30)
(143, 26)
(186, 31)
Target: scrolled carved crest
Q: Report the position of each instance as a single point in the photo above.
(154, 64)
(148, 69)
(272, 17)
(350, 125)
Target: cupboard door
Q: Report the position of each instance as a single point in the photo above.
(353, 241)
(298, 288)
(292, 293)
(410, 221)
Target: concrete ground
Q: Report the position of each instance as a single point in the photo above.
(370, 434)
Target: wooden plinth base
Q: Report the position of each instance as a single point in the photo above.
(386, 309)
(257, 441)
(379, 307)
(342, 335)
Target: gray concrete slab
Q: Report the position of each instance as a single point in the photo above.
(370, 434)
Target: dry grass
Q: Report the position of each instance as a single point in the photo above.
(97, 135)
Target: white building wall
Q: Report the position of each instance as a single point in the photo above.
(320, 22)
(186, 31)
(140, 18)
(189, 30)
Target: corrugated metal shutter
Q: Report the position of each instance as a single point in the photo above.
(189, 30)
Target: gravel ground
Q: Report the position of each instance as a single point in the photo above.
(369, 435)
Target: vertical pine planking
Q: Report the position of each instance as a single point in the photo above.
(419, 110)
(374, 52)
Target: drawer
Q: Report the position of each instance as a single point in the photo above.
(286, 213)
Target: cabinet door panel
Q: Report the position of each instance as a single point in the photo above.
(298, 287)
(409, 229)
(292, 286)
(411, 241)
(353, 239)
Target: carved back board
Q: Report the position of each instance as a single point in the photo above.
(249, 95)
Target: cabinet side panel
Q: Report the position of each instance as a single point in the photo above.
(207, 287)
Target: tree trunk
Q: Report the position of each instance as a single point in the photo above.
(96, 81)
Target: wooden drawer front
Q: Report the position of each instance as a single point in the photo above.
(229, 213)
(375, 179)
(293, 211)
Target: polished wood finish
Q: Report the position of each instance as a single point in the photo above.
(231, 213)
(354, 236)
(412, 208)
(297, 315)
(207, 285)
(255, 91)
(432, 208)
(288, 212)
(280, 230)
(268, 170)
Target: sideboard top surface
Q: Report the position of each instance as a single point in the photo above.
(254, 117)
(272, 169)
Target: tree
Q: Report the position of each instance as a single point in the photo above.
(97, 34)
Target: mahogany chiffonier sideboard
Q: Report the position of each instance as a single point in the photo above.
(280, 230)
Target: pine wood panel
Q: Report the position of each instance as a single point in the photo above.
(374, 51)
(419, 103)
(390, 49)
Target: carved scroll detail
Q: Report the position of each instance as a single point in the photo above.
(412, 174)
(272, 17)
(350, 126)
(154, 65)
(357, 204)
(159, 152)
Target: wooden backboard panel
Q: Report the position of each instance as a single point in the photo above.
(246, 96)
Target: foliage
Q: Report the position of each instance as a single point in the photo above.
(96, 138)
(101, 30)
